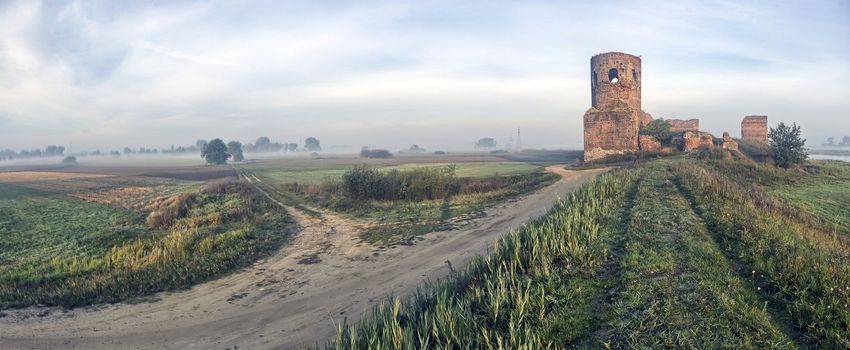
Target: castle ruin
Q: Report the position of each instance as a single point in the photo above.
(613, 123)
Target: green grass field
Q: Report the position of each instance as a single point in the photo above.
(678, 253)
(58, 249)
(400, 221)
(825, 194)
(317, 174)
(37, 225)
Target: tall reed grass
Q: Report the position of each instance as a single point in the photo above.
(501, 301)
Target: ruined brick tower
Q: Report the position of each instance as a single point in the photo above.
(612, 124)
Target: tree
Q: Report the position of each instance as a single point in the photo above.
(845, 141)
(200, 144)
(235, 150)
(487, 142)
(312, 144)
(215, 152)
(659, 129)
(830, 141)
(292, 147)
(262, 144)
(416, 149)
(786, 145)
(53, 151)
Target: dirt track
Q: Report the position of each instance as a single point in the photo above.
(290, 300)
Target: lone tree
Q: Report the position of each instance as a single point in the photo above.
(312, 144)
(659, 129)
(215, 152)
(487, 142)
(786, 145)
(235, 150)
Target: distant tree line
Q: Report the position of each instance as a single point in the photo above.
(49, 151)
(234, 148)
(217, 152)
(845, 142)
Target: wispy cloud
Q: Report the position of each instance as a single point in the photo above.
(109, 74)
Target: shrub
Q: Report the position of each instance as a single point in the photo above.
(375, 153)
(363, 182)
(658, 128)
(787, 146)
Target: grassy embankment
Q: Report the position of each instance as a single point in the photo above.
(60, 250)
(428, 200)
(678, 253)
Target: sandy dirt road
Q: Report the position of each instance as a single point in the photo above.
(290, 300)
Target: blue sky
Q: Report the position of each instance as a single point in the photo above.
(107, 74)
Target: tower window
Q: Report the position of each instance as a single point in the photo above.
(613, 76)
(634, 74)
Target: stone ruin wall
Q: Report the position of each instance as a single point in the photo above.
(680, 126)
(649, 143)
(729, 143)
(754, 129)
(612, 125)
(610, 132)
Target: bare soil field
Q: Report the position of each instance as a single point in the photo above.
(30, 176)
(190, 173)
(291, 300)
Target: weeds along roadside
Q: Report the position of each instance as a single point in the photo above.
(211, 232)
(517, 296)
(808, 273)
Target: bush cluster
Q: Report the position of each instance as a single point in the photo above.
(375, 153)
(363, 182)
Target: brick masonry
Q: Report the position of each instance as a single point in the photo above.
(612, 124)
(678, 125)
(649, 143)
(729, 143)
(754, 129)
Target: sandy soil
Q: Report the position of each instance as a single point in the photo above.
(29, 176)
(291, 300)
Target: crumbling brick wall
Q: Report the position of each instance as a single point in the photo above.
(678, 125)
(649, 143)
(611, 131)
(729, 143)
(754, 129)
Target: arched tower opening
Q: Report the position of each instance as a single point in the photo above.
(613, 76)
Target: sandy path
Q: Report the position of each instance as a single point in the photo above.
(290, 300)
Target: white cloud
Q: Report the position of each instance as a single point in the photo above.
(153, 75)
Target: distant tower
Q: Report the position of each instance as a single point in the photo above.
(612, 124)
(518, 140)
